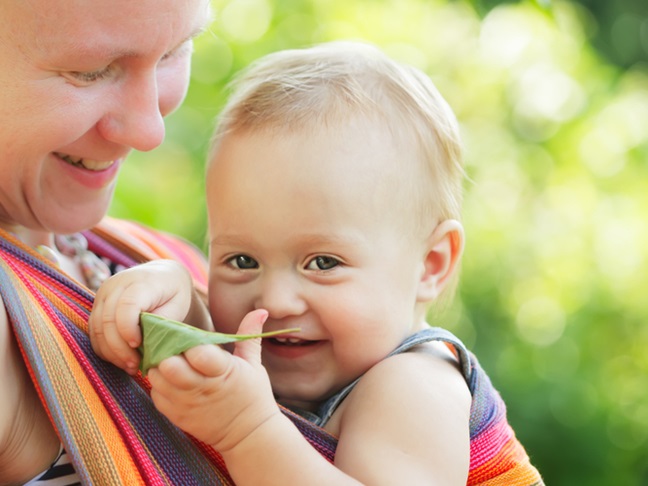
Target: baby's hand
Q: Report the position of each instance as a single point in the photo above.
(218, 397)
(163, 287)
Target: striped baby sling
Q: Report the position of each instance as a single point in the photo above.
(105, 418)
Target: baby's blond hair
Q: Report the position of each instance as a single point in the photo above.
(317, 87)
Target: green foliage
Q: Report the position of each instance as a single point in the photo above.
(552, 294)
(618, 29)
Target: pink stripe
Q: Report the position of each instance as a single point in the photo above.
(488, 443)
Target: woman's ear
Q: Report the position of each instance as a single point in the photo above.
(443, 252)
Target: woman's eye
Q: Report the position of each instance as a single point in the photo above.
(90, 76)
(322, 263)
(243, 262)
(184, 48)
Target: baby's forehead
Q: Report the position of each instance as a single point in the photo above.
(349, 143)
(356, 167)
(366, 147)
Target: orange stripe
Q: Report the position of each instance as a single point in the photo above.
(510, 466)
(104, 453)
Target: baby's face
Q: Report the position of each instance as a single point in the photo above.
(302, 225)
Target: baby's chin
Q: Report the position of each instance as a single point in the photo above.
(307, 405)
(304, 398)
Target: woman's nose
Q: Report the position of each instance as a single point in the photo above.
(135, 119)
(281, 296)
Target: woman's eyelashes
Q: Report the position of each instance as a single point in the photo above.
(185, 48)
(89, 77)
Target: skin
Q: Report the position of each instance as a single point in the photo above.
(83, 82)
(298, 248)
(329, 199)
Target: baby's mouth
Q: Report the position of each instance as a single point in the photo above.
(89, 164)
(290, 341)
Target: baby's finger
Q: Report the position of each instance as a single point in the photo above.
(163, 403)
(252, 323)
(209, 360)
(127, 318)
(114, 307)
(175, 373)
(110, 345)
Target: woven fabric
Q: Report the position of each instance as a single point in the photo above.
(496, 456)
(105, 418)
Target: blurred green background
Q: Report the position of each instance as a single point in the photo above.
(553, 103)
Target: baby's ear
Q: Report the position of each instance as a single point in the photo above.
(443, 252)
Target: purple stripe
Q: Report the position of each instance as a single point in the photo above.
(104, 249)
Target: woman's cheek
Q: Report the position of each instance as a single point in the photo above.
(173, 82)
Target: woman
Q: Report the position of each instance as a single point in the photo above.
(83, 83)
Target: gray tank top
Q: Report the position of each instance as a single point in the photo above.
(326, 410)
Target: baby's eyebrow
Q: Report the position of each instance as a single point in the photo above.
(304, 240)
(227, 240)
(329, 239)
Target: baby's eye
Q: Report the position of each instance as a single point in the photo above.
(322, 262)
(243, 262)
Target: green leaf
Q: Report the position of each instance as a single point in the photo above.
(163, 338)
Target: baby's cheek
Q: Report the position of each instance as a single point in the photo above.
(227, 310)
(226, 323)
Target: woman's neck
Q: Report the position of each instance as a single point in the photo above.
(44, 243)
(30, 237)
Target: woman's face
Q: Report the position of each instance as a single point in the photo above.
(84, 83)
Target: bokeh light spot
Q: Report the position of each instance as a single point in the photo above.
(245, 21)
(540, 321)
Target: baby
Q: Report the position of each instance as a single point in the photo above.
(334, 190)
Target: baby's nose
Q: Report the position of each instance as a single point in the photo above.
(281, 296)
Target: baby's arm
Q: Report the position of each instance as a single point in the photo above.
(161, 287)
(226, 401)
(397, 427)
(407, 422)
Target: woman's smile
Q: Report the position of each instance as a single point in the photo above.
(89, 164)
(92, 174)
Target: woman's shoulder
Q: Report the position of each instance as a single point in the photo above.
(10, 374)
(7, 370)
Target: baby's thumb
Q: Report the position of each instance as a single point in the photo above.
(252, 323)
